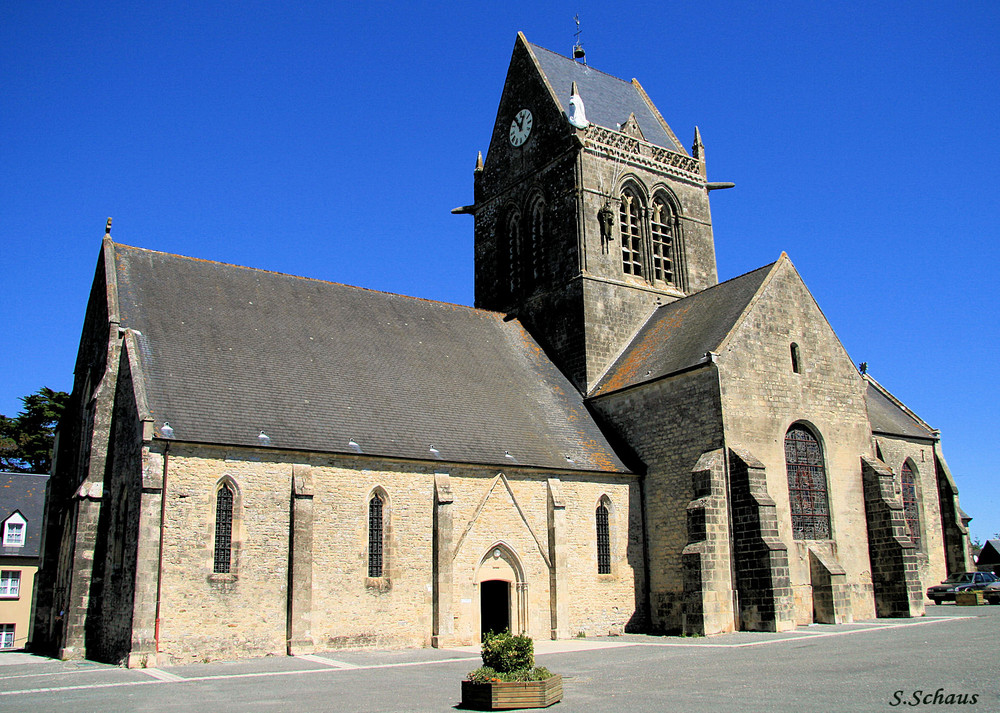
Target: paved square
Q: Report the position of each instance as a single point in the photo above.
(883, 665)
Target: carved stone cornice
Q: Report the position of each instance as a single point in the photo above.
(622, 147)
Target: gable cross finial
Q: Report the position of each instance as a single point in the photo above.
(578, 52)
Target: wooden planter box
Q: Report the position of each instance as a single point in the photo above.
(969, 599)
(516, 694)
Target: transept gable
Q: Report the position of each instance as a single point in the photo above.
(783, 314)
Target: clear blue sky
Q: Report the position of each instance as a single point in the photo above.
(331, 139)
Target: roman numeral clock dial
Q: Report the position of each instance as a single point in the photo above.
(520, 128)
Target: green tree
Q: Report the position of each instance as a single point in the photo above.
(26, 439)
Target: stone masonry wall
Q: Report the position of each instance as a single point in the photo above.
(955, 531)
(760, 558)
(896, 450)
(601, 604)
(895, 578)
(763, 396)
(583, 309)
(707, 558)
(74, 491)
(206, 616)
(110, 614)
(669, 423)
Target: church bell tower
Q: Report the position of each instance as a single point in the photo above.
(589, 213)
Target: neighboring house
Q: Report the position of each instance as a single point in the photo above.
(611, 439)
(22, 506)
(989, 557)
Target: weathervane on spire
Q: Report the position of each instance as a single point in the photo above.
(578, 52)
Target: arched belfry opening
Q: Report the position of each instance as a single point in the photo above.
(503, 592)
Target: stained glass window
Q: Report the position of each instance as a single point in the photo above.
(806, 485)
(375, 536)
(603, 541)
(910, 505)
(224, 529)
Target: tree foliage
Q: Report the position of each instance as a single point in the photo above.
(26, 439)
(975, 546)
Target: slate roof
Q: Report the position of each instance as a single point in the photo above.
(677, 335)
(888, 416)
(23, 493)
(228, 351)
(607, 100)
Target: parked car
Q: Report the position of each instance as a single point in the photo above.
(960, 582)
(992, 593)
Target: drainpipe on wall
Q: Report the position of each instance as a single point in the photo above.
(159, 562)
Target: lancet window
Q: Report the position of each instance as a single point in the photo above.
(376, 536)
(603, 540)
(223, 529)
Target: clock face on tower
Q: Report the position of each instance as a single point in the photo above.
(520, 128)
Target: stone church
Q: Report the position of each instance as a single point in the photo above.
(610, 440)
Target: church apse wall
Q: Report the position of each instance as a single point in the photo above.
(765, 392)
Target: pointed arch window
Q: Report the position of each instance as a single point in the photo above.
(513, 231)
(376, 532)
(807, 491)
(223, 529)
(911, 508)
(603, 540)
(662, 240)
(537, 242)
(630, 227)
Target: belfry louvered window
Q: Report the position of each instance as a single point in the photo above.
(223, 530)
(514, 253)
(629, 223)
(603, 541)
(807, 492)
(661, 232)
(375, 536)
(537, 243)
(910, 506)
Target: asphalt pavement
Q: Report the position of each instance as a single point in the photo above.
(931, 663)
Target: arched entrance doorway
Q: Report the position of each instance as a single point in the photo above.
(494, 606)
(503, 593)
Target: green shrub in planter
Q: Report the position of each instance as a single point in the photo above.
(505, 653)
(485, 674)
(509, 678)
